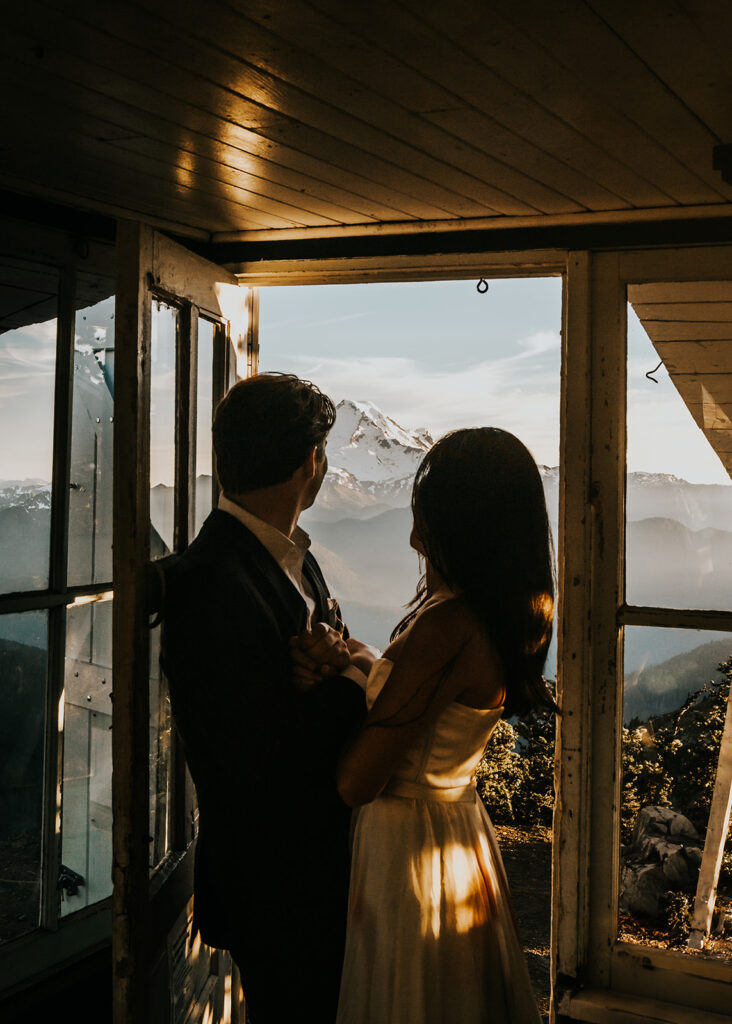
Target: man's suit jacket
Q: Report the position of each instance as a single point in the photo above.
(272, 856)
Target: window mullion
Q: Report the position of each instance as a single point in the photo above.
(185, 425)
(223, 376)
(62, 434)
(572, 775)
(131, 641)
(37, 600)
(53, 761)
(253, 332)
(607, 425)
(675, 618)
(185, 504)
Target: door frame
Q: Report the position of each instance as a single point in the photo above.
(146, 906)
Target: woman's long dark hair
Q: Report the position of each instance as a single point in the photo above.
(480, 513)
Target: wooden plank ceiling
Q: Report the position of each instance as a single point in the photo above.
(280, 115)
(690, 325)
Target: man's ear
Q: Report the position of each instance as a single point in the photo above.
(308, 466)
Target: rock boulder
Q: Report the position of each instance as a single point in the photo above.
(664, 855)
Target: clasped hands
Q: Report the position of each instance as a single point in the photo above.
(321, 651)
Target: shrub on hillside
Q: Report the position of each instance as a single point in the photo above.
(669, 761)
(500, 774)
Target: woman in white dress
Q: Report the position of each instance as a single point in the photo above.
(431, 937)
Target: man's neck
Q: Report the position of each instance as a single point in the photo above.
(271, 506)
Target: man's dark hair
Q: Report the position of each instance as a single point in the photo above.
(265, 427)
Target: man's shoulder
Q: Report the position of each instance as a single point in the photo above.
(221, 542)
(216, 561)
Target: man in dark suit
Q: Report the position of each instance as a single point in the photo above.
(272, 857)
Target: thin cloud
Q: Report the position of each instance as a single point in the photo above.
(491, 392)
(335, 320)
(541, 341)
(307, 324)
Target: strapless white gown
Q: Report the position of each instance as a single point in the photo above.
(431, 935)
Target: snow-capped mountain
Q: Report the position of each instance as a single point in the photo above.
(372, 446)
(29, 493)
(372, 462)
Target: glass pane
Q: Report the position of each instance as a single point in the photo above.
(679, 496)
(23, 643)
(673, 717)
(90, 498)
(161, 765)
(86, 822)
(204, 418)
(28, 310)
(162, 427)
(162, 513)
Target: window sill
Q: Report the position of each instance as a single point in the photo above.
(42, 953)
(597, 1006)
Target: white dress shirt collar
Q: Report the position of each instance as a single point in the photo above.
(288, 552)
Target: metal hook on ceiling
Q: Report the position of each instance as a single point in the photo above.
(482, 286)
(654, 370)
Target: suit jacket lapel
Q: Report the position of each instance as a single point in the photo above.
(326, 609)
(277, 590)
(311, 573)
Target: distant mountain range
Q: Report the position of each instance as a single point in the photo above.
(679, 538)
(696, 506)
(669, 563)
(25, 533)
(658, 689)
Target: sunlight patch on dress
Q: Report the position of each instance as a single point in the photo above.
(451, 869)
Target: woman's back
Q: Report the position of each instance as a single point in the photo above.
(446, 755)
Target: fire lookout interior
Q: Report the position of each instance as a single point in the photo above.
(160, 163)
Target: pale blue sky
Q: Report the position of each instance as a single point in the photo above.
(440, 355)
(429, 354)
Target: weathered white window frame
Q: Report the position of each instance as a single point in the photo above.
(598, 978)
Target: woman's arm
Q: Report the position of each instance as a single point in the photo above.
(421, 685)
(363, 655)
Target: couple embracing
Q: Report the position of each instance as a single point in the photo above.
(397, 912)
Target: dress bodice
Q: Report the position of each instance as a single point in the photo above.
(443, 760)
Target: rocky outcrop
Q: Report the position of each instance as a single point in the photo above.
(664, 855)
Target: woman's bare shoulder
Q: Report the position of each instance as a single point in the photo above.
(445, 625)
(452, 614)
(453, 627)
